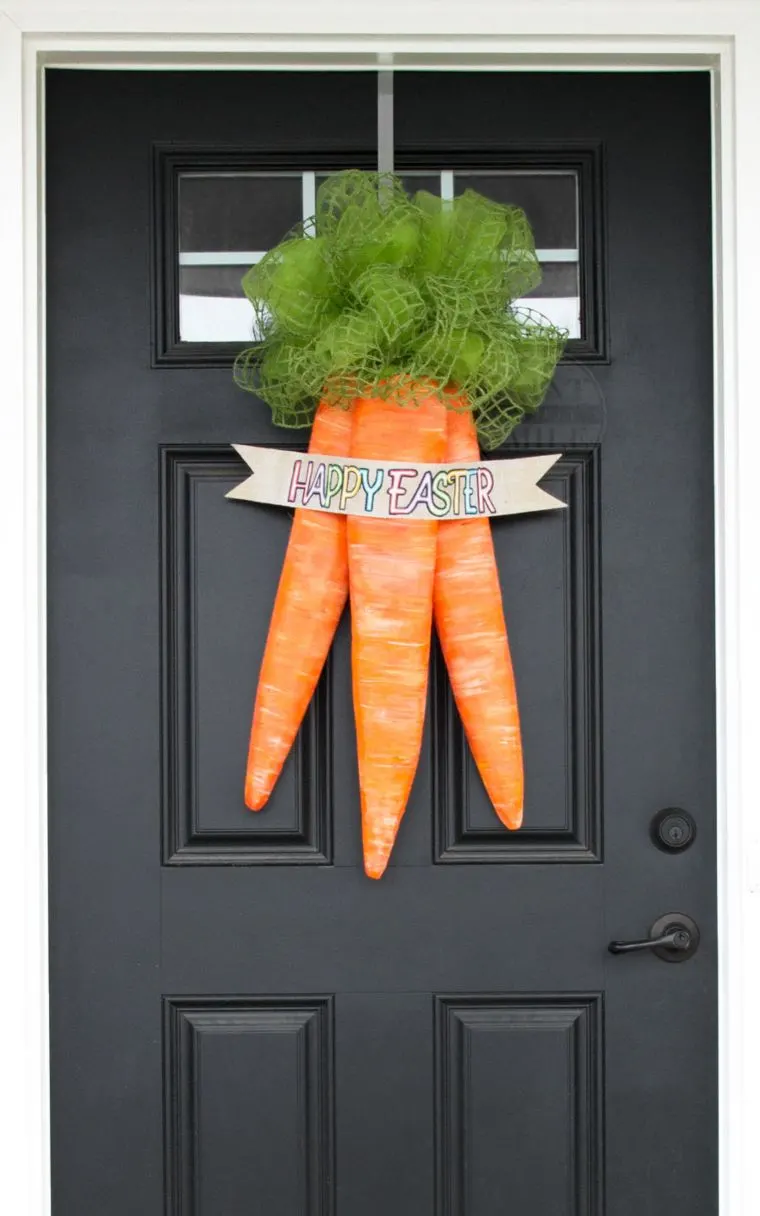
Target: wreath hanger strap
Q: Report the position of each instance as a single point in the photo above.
(385, 149)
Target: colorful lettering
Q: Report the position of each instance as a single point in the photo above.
(297, 482)
(423, 496)
(396, 488)
(440, 495)
(334, 483)
(484, 487)
(350, 489)
(317, 487)
(467, 491)
(455, 478)
(370, 490)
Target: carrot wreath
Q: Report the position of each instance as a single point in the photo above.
(397, 315)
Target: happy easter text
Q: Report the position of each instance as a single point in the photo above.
(452, 492)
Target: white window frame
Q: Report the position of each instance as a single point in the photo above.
(615, 35)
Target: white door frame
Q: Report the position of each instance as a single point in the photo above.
(723, 35)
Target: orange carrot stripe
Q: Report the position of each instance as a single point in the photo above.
(310, 599)
(469, 619)
(391, 571)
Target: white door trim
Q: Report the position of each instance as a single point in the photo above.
(577, 34)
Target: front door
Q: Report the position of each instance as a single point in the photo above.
(242, 1023)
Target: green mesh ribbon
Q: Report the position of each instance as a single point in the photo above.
(384, 294)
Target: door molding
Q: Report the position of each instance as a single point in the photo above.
(616, 35)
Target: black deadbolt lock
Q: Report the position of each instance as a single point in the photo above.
(673, 830)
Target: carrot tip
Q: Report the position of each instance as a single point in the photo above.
(255, 801)
(375, 869)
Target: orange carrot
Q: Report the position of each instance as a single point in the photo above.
(391, 570)
(310, 599)
(469, 619)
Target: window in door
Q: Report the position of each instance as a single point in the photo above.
(216, 220)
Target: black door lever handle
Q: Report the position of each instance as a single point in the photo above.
(673, 938)
(677, 939)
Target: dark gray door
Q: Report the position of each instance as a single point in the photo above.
(242, 1022)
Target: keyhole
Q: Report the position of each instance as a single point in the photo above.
(673, 830)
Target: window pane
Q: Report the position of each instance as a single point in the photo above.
(234, 211)
(550, 201)
(226, 222)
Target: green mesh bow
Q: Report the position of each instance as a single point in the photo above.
(385, 295)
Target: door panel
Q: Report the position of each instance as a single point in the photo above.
(550, 1049)
(214, 1048)
(240, 1020)
(215, 620)
(550, 573)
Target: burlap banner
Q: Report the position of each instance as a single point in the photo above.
(391, 490)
